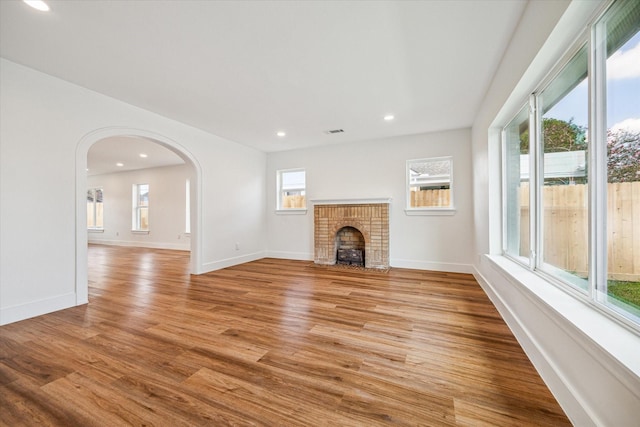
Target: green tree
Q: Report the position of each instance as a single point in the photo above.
(558, 135)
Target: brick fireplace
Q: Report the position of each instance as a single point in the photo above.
(334, 224)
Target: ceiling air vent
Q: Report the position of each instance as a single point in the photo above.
(332, 131)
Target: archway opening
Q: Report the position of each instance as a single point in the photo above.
(181, 164)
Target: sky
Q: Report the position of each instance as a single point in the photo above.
(623, 92)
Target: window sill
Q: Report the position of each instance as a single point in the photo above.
(430, 212)
(291, 211)
(616, 337)
(95, 230)
(139, 231)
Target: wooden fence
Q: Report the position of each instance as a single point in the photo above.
(293, 202)
(430, 198)
(566, 233)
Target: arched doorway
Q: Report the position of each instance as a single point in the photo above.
(81, 189)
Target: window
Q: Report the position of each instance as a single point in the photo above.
(577, 143)
(617, 41)
(516, 167)
(187, 213)
(140, 219)
(291, 189)
(563, 183)
(95, 209)
(430, 184)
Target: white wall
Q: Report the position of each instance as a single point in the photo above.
(589, 361)
(167, 208)
(377, 169)
(43, 122)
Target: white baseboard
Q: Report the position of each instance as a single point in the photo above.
(229, 262)
(36, 308)
(433, 266)
(137, 244)
(298, 256)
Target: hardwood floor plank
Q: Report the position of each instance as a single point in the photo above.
(268, 343)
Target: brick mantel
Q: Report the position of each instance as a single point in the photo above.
(371, 219)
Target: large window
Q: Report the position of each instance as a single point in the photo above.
(562, 180)
(140, 217)
(617, 39)
(572, 169)
(430, 184)
(291, 189)
(95, 209)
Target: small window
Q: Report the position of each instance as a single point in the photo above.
(291, 189)
(95, 209)
(430, 184)
(187, 213)
(140, 220)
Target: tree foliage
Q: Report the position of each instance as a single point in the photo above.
(623, 155)
(623, 146)
(558, 135)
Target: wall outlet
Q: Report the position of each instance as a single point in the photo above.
(237, 246)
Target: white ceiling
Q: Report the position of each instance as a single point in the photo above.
(244, 70)
(105, 154)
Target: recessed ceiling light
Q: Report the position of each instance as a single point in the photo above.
(389, 117)
(119, 164)
(143, 155)
(281, 134)
(37, 4)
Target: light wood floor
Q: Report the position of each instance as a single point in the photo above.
(271, 342)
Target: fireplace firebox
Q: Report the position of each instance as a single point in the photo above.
(350, 257)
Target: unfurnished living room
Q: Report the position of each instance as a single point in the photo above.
(320, 213)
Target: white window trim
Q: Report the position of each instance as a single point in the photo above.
(187, 208)
(536, 270)
(96, 229)
(135, 228)
(429, 211)
(289, 211)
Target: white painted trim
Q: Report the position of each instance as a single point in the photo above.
(230, 262)
(351, 201)
(150, 245)
(601, 385)
(299, 211)
(430, 212)
(549, 372)
(447, 267)
(616, 339)
(298, 256)
(37, 308)
(82, 149)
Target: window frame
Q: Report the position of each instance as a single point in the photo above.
(187, 208)
(279, 192)
(429, 210)
(595, 295)
(137, 208)
(96, 228)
